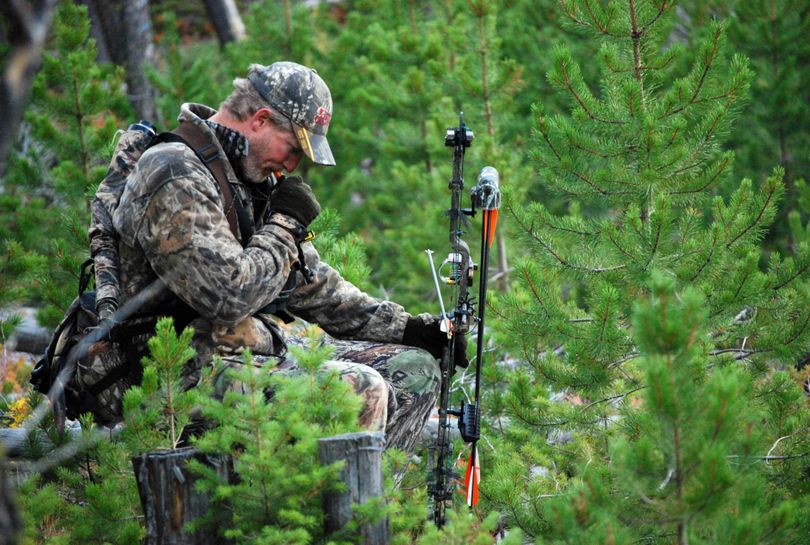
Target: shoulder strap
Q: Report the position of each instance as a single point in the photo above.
(235, 213)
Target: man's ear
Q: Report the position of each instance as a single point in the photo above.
(259, 119)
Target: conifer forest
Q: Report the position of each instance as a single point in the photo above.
(645, 358)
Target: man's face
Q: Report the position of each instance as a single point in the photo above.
(271, 149)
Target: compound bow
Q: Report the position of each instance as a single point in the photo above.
(486, 197)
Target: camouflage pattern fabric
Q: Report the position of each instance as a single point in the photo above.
(103, 359)
(102, 235)
(172, 226)
(399, 384)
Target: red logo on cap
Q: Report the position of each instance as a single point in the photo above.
(323, 116)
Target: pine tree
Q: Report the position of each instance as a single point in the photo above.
(347, 254)
(94, 495)
(776, 127)
(651, 335)
(772, 35)
(275, 31)
(401, 72)
(75, 108)
(491, 82)
(157, 411)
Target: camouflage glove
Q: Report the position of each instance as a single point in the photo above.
(424, 332)
(292, 197)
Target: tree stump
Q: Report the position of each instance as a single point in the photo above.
(362, 474)
(169, 499)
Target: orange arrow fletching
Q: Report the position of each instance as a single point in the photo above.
(473, 477)
(490, 224)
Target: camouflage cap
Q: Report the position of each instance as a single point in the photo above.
(298, 93)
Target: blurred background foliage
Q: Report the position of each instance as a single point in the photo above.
(399, 71)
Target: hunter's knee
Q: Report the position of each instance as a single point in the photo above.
(369, 384)
(416, 371)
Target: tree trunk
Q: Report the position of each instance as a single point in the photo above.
(10, 523)
(127, 29)
(97, 32)
(24, 28)
(224, 15)
(362, 475)
(139, 53)
(169, 499)
(107, 16)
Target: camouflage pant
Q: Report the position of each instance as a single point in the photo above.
(399, 384)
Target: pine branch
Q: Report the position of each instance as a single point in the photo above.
(628, 150)
(595, 22)
(618, 363)
(742, 353)
(612, 398)
(665, 5)
(655, 246)
(707, 66)
(533, 288)
(800, 332)
(771, 193)
(793, 277)
(720, 170)
(635, 36)
(530, 230)
(618, 246)
(570, 87)
(601, 191)
(708, 257)
(541, 122)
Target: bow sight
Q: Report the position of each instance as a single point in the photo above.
(459, 137)
(486, 197)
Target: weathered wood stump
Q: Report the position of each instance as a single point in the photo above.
(169, 499)
(362, 474)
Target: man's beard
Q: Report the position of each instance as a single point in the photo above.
(252, 170)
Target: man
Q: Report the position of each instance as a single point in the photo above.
(175, 226)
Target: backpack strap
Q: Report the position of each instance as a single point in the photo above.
(190, 135)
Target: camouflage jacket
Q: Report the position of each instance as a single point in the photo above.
(172, 229)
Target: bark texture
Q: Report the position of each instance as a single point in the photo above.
(24, 26)
(169, 499)
(362, 475)
(224, 15)
(126, 27)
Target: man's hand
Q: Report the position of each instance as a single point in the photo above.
(292, 197)
(423, 332)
